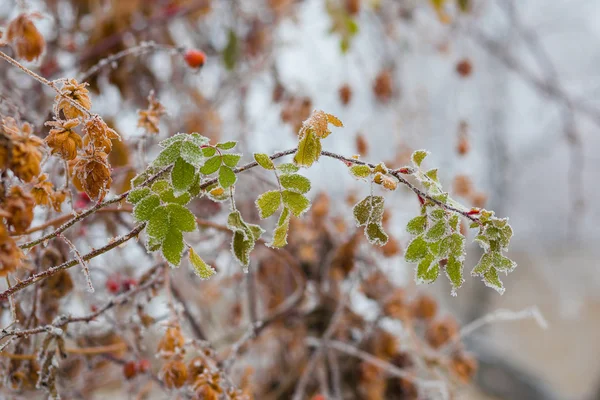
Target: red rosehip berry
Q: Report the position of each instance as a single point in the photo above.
(113, 285)
(195, 58)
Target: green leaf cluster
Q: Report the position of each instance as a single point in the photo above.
(369, 213)
(494, 238)
(291, 197)
(245, 236)
(438, 244)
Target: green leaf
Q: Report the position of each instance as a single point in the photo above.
(209, 151)
(418, 157)
(491, 279)
(416, 250)
(211, 165)
(181, 218)
(296, 183)
(296, 202)
(179, 137)
(454, 222)
(198, 139)
(452, 245)
(160, 186)
(438, 213)
(137, 194)
(227, 145)
(417, 225)
(280, 233)
(268, 203)
(454, 272)
(256, 230)
(182, 176)
(288, 168)
(484, 264)
(231, 160)
(226, 177)
(202, 269)
(502, 263)
(145, 207)
(230, 52)
(191, 153)
(168, 156)
(370, 209)
(483, 242)
(241, 248)
(360, 171)
(264, 161)
(158, 225)
(172, 247)
(428, 270)
(195, 189)
(436, 231)
(433, 174)
(309, 150)
(375, 234)
(168, 196)
(506, 234)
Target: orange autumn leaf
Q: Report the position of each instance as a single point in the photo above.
(63, 140)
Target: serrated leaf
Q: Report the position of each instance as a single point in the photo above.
(181, 218)
(416, 250)
(241, 248)
(452, 245)
(484, 264)
(454, 272)
(370, 209)
(264, 161)
(231, 160)
(436, 231)
(145, 207)
(227, 145)
(182, 176)
(211, 165)
(256, 230)
(296, 202)
(288, 168)
(172, 247)
(191, 153)
(168, 156)
(483, 242)
(491, 279)
(418, 156)
(433, 174)
(428, 269)
(209, 151)
(158, 225)
(195, 189)
(168, 196)
(360, 171)
(217, 193)
(137, 194)
(438, 213)
(226, 177)
(159, 186)
(417, 225)
(268, 203)
(309, 149)
(454, 222)
(506, 234)
(375, 234)
(280, 233)
(198, 139)
(296, 183)
(502, 263)
(179, 137)
(202, 269)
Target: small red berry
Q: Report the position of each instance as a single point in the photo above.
(113, 285)
(195, 58)
(130, 369)
(128, 284)
(143, 365)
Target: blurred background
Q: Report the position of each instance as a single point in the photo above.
(504, 93)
